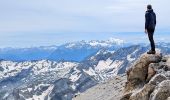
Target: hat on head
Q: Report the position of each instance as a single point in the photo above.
(149, 6)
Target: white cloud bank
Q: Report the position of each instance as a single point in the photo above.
(78, 15)
(44, 16)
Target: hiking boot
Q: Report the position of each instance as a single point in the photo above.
(151, 52)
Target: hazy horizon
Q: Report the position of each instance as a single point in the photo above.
(128, 37)
(53, 22)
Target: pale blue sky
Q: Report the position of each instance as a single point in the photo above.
(25, 23)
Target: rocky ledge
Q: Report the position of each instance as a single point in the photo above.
(147, 79)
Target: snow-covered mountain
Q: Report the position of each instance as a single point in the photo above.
(96, 43)
(74, 51)
(61, 80)
(41, 80)
(105, 64)
(78, 51)
(47, 79)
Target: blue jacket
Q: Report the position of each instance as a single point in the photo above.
(150, 19)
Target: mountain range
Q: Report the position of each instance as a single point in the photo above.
(56, 79)
(74, 51)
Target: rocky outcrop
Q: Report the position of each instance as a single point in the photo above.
(148, 79)
(162, 91)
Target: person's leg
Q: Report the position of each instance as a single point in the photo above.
(152, 43)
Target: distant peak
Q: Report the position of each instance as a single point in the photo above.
(103, 43)
(115, 40)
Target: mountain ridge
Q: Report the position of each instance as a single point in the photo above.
(64, 79)
(135, 85)
(73, 51)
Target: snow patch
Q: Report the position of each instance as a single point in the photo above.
(43, 94)
(96, 43)
(90, 72)
(116, 41)
(129, 58)
(70, 45)
(75, 75)
(103, 64)
(107, 65)
(29, 89)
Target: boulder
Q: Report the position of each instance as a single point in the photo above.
(168, 98)
(151, 73)
(162, 91)
(143, 93)
(138, 73)
(157, 79)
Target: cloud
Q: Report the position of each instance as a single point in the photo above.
(64, 16)
(77, 15)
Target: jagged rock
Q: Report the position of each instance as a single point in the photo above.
(126, 96)
(162, 91)
(167, 68)
(164, 59)
(147, 79)
(151, 73)
(168, 61)
(157, 79)
(150, 69)
(168, 98)
(138, 73)
(143, 94)
(167, 74)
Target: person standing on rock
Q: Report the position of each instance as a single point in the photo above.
(150, 23)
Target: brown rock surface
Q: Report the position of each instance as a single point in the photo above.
(148, 79)
(138, 73)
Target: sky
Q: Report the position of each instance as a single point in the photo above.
(25, 23)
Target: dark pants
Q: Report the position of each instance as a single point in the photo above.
(150, 36)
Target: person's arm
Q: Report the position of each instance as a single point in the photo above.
(155, 18)
(146, 20)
